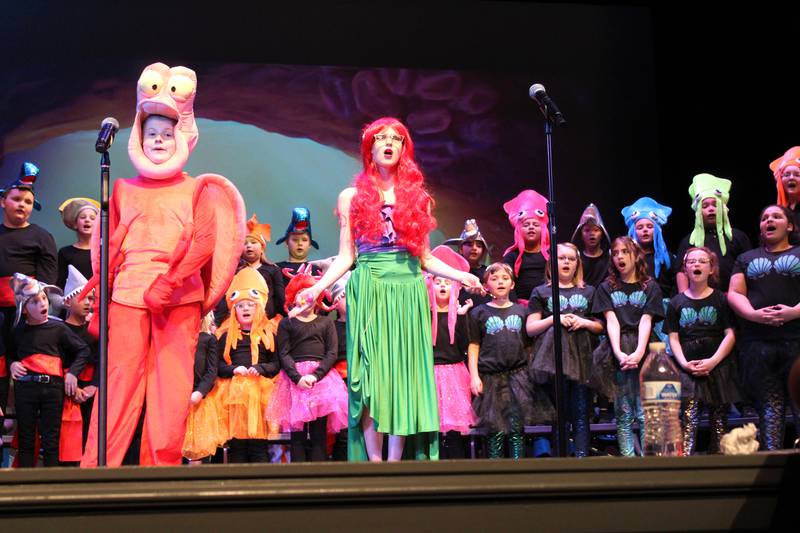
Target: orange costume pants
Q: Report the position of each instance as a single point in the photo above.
(150, 359)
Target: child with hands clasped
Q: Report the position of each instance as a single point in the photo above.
(579, 338)
(504, 399)
(630, 301)
(702, 338)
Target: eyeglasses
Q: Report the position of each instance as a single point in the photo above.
(381, 137)
(245, 304)
(791, 174)
(697, 261)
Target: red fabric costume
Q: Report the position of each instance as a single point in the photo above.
(175, 242)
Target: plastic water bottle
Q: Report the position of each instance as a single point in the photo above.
(661, 399)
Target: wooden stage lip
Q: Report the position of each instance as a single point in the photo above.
(595, 494)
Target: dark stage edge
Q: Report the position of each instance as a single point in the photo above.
(596, 494)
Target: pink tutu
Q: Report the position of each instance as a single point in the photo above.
(291, 406)
(455, 399)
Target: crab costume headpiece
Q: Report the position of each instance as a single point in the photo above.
(471, 232)
(25, 288)
(261, 232)
(248, 284)
(591, 215)
(300, 280)
(646, 207)
(28, 173)
(457, 261)
(791, 157)
(170, 92)
(527, 204)
(708, 186)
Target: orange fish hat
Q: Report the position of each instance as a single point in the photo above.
(248, 284)
(791, 157)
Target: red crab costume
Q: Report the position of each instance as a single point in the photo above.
(175, 242)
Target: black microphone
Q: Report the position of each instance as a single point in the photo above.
(546, 104)
(108, 128)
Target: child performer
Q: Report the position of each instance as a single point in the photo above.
(591, 237)
(645, 219)
(712, 229)
(248, 363)
(298, 241)
(579, 338)
(504, 399)
(786, 170)
(79, 215)
(473, 247)
(202, 421)
(702, 338)
(449, 348)
(630, 301)
(307, 392)
(527, 213)
(764, 292)
(41, 344)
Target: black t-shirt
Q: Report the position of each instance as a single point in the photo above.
(341, 338)
(666, 276)
(629, 302)
(502, 336)
(531, 272)
(50, 338)
(205, 363)
(575, 300)
(739, 244)
(706, 318)
(307, 341)
(595, 269)
(267, 364)
(445, 353)
(771, 278)
(30, 250)
(477, 299)
(80, 259)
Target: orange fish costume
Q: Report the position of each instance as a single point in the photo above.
(174, 246)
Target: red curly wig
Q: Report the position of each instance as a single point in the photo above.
(412, 219)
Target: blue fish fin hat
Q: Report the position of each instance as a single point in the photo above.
(646, 207)
(590, 215)
(26, 180)
(708, 186)
(301, 223)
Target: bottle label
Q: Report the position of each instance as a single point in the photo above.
(661, 391)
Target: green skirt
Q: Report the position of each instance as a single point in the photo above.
(390, 354)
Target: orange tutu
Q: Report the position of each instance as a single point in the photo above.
(204, 432)
(241, 403)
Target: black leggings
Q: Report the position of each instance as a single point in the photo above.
(40, 403)
(316, 433)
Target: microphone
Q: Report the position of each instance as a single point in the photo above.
(546, 104)
(108, 128)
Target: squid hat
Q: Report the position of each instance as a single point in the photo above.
(646, 207)
(75, 282)
(457, 261)
(708, 186)
(471, 232)
(791, 157)
(28, 173)
(260, 232)
(301, 223)
(169, 92)
(248, 284)
(72, 207)
(527, 204)
(25, 287)
(591, 215)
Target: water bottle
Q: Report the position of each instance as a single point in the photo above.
(660, 387)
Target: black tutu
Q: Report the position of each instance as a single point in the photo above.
(718, 388)
(510, 396)
(606, 376)
(577, 348)
(759, 359)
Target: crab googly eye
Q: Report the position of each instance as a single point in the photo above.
(538, 212)
(253, 293)
(235, 296)
(180, 87)
(150, 83)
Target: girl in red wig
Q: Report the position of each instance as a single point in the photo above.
(385, 220)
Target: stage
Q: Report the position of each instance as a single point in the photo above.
(596, 494)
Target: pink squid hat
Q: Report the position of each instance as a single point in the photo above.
(170, 92)
(450, 258)
(527, 204)
(791, 157)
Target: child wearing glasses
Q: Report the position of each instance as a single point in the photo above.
(702, 340)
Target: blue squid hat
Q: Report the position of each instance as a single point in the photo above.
(646, 207)
(301, 223)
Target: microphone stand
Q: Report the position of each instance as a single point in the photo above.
(102, 391)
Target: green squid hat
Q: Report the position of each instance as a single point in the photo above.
(708, 186)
